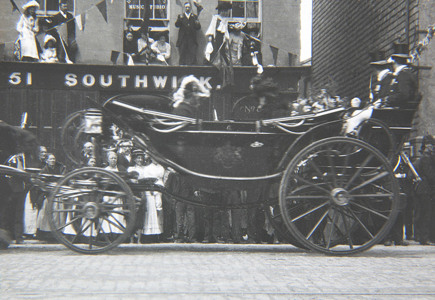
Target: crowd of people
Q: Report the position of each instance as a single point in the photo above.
(229, 43)
(56, 48)
(160, 217)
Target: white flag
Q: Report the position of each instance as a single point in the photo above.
(79, 22)
(130, 61)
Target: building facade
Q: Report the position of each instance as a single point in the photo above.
(104, 24)
(347, 35)
(51, 92)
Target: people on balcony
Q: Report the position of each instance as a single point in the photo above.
(49, 53)
(161, 49)
(187, 42)
(28, 27)
(144, 51)
(66, 41)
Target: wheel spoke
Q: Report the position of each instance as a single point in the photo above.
(361, 223)
(367, 182)
(316, 186)
(310, 211)
(66, 210)
(334, 218)
(82, 229)
(370, 210)
(316, 168)
(69, 223)
(359, 170)
(347, 229)
(389, 195)
(317, 225)
(90, 236)
(332, 166)
(306, 197)
(120, 226)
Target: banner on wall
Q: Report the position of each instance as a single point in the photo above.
(121, 78)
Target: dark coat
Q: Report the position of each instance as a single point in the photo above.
(58, 19)
(71, 45)
(186, 110)
(382, 88)
(188, 28)
(425, 167)
(404, 89)
(187, 41)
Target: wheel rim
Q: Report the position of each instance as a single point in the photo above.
(339, 196)
(72, 135)
(91, 210)
(275, 217)
(379, 135)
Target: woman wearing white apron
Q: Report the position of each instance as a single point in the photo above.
(108, 226)
(145, 168)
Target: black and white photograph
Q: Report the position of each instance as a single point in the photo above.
(217, 149)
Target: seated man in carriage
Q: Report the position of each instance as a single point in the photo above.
(265, 101)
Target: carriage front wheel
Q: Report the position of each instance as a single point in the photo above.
(339, 195)
(91, 210)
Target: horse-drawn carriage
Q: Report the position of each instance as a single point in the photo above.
(322, 190)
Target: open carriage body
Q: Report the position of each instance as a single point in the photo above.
(321, 190)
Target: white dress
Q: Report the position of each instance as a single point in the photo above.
(27, 28)
(152, 223)
(114, 218)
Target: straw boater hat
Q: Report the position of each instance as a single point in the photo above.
(32, 3)
(381, 63)
(48, 38)
(239, 25)
(401, 58)
(138, 152)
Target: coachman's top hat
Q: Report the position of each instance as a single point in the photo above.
(400, 53)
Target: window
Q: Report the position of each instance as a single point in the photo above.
(51, 7)
(246, 10)
(156, 11)
(249, 12)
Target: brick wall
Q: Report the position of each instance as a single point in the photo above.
(346, 32)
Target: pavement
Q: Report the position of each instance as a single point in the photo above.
(215, 271)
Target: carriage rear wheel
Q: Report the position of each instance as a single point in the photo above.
(379, 135)
(339, 196)
(91, 210)
(72, 134)
(275, 218)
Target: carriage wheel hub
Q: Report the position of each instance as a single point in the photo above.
(91, 210)
(340, 196)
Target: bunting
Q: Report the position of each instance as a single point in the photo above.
(422, 45)
(274, 54)
(130, 61)
(102, 7)
(14, 6)
(80, 21)
(291, 59)
(114, 56)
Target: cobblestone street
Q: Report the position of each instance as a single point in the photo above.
(216, 271)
